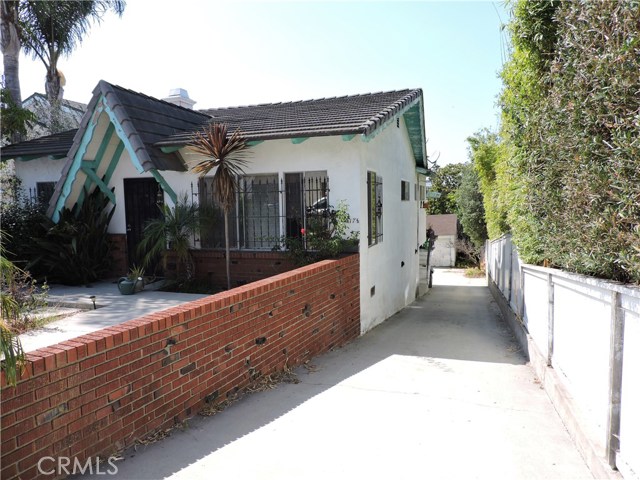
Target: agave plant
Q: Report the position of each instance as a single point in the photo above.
(227, 155)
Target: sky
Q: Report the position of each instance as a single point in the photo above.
(230, 53)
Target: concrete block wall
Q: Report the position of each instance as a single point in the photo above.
(98, 393)
(582, 335)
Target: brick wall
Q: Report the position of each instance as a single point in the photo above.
(100, 392)
(246, 267)
(120, 262)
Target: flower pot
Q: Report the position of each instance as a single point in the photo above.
(126, 286)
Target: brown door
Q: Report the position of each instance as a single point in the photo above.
(141, 203)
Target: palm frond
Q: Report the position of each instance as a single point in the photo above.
(227, 154)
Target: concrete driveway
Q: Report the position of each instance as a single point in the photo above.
(439, 391)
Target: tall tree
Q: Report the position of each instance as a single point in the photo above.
(470, 206)
(445, 180)
(10, 45)
(51, 29)
(227, 155)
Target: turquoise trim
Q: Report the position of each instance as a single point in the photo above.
(123, 137)
(101, 185)
(299, 140)
(170, 149)
(95, 163)
(253, 143)
(114, 163)
(165, 186)
(27, 158)
(75, 165)
(348, 138)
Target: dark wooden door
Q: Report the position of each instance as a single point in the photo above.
(141, 197)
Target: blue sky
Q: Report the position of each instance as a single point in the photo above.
(240, 53)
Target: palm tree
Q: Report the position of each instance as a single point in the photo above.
(227, 154)
(50, 29)
(172, 231)
(10, 45)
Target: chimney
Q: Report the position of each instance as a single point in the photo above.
(180, 97)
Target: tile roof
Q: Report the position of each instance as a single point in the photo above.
(151, 124)
(351, 114)
(56, 145)
(145, 120)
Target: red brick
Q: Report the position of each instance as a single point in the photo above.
(107, 366)
(115, 395)
(33, 434)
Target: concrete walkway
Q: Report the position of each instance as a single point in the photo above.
(112, 308)
(439, 391)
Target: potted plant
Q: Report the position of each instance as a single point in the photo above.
(133, 282)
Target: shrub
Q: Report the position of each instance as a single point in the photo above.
(571, 169)
(76, 250)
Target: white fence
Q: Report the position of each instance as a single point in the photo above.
(588, 331)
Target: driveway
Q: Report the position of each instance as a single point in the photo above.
(439, 391)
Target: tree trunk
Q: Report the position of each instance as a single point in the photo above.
(10, 45)
(226, 244)
(53, 87)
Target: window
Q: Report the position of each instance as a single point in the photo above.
(405, 191)
(44, 191)
(259, 218)
(374, 210)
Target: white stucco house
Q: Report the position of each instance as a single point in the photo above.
(367, 151)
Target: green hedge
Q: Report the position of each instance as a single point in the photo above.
(571, 131)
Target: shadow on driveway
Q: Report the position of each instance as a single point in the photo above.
(415, 397)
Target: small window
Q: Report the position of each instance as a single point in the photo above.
(374, 204)
(405, 188)
(44, 191)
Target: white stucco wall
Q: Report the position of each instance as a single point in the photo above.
(38, 170)
(444, 252)
(381, 266)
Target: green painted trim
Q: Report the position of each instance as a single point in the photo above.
(171, 149)
(101, 185)
(76, 164)
(299, 140)
(28, 158)
(422, 170)
(114, 162)
(348, 138)
(165, 186)
(253, 143)
(96, 162)
(123, 137)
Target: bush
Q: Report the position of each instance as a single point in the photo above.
(326, 236)
(76, 250)
(571, 131)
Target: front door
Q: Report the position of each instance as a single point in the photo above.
(141, 198)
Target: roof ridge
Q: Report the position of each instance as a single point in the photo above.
(398, 105)
(292, 102)
(149, 97)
